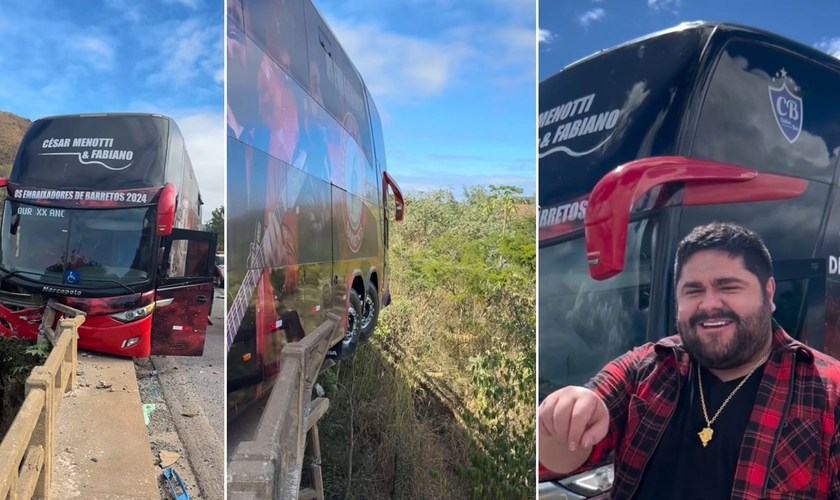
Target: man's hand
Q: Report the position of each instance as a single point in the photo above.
(571, 421)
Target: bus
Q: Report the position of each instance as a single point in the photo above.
(308, 193)
(101, 215)
(643, 142)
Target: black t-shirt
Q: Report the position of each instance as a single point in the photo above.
(680, 467)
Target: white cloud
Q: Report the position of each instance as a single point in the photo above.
(407, 67)
(401, 65)
(830, 46)
(662, 4)
(193, 4)
(545, 36)
(129, 10)
(593, 15)
(98, 51)
(204, 134)
(190, 50)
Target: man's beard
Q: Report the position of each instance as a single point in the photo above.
(751, 335)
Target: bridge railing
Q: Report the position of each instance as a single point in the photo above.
(269, 466)
(27, 452)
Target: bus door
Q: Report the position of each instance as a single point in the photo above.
(184, 293)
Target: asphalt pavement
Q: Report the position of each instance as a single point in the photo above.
(204, 375)
(194, 391)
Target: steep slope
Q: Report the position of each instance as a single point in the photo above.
(12, 128)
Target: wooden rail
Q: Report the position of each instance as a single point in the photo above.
(270, 465)
(27, 451)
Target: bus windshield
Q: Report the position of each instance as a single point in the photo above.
(584, 324)
(78, 247)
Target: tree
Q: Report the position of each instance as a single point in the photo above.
(217, 225)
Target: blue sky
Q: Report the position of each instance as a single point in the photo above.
(454, 83)
(572, 29)
(162, 56)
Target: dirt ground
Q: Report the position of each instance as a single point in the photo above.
(162, 433)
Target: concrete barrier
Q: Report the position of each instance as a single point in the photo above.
(27, 451)
(270, 465)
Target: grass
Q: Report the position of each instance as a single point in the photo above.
(382, 438)
(440, 404)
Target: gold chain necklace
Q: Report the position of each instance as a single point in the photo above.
(707, 433)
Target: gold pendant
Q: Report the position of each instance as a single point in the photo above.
(706, 436)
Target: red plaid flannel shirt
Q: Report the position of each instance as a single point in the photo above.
(800, 389)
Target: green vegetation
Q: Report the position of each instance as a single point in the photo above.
(17, 358)
(217, 225)
(441, 403)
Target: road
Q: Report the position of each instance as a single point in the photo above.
(194, 391)
(204, 375)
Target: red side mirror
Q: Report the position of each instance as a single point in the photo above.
(706, 183)
(399, 202)
(3, 182)
(166, 210)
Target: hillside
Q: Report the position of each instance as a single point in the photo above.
(12, 128)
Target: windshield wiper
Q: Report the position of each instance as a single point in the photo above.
(18, 273)
(10, 274)
(106, 280)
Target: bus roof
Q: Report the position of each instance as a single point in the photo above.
(92, 115)
(713, 27)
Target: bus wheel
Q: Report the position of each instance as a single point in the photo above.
(354, 326)
(370, 311)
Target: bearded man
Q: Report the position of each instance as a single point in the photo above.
(731, 407)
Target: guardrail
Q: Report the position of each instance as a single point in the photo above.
(269, 466)
(27, 451)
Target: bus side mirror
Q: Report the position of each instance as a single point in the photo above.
(399, 202)
(398, 211)
(706, 183)
(3, 182)
(166, 210)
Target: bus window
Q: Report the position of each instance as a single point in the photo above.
(196, 265)
(770, 110)
(584, 323)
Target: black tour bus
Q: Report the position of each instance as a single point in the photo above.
(641, 143)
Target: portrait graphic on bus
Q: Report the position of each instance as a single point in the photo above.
(305, 186)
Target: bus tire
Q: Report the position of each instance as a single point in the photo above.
(370, 311)
(354, 326)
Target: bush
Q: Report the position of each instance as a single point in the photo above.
(17, 358)
(460, 338)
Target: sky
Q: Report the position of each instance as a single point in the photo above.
(161, 56)
(572, 29)
(454, 81)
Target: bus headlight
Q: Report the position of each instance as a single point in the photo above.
(591, 483)
(134, 314)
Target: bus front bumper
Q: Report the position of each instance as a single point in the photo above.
(109, 336)
(98, 333)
